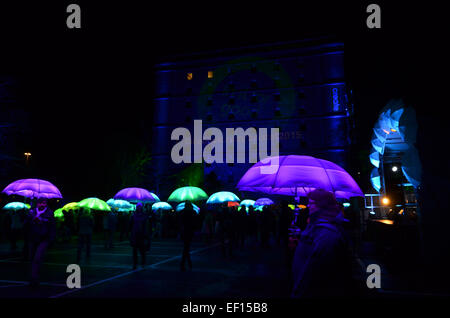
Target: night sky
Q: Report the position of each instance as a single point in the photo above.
(89, 92)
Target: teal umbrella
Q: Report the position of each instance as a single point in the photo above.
(222, 197)
(161, 205)
(15, 206)
(121, 205)
(247, 203)
(188, 194)
(182, 205)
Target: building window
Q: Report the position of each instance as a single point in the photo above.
(302, 111)
(189, 91)
(188, 119)
(189, 76)
(277, 97)
(231, 116)
(301, 78)
(253, 84)
(253, 99)
(231, 100)
(254, 114)
(209, 117)
(231, 86)
(210, 102)
(210, 74)
(301, 95)
(300, 65)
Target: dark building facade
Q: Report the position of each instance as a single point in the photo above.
(298, 87)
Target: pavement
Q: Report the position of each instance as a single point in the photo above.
(251, 272)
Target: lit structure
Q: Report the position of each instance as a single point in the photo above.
(296, 86)
(393, 143)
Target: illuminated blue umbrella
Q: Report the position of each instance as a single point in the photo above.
(180, 207)
(15, 206)
(222, 197)
(121, 205)
(161, 205)
(263, 201)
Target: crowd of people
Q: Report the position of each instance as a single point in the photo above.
(322, 246)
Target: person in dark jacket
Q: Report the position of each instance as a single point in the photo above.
(322, 261)
(85, 228)
(140, 232)
(187, 227)
(41, 233)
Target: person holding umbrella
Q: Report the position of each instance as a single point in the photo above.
(41, 233)
(187, 224)
(322, 261)
(140, 232)
(85, 229)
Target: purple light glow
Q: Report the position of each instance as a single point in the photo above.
(298, 175)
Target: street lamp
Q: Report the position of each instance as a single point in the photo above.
(27, 154)
(394, 168)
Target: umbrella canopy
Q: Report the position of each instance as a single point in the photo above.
(222, 196)
(188, 194)
(16, 206)
(247, 203)
(298, 175)
(33, 188)
(94, 204)
(70, 206)
(161, 205)
(58, 214)
(263, 201)
(136, 195)
(120, 205)
(180, 207)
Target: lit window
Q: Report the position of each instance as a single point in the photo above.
(189, 76)
(210, 74)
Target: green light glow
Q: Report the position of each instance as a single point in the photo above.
(188, 194)
(94, 204)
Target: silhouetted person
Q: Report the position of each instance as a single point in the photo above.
(265, 226)
(284, 222)
(139, 234)
(322, 262)
(41, 233)
(187, 227)
(16, 225)
(85, 228)
(109, 224)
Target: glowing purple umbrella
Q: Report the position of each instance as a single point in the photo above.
(33, 188)
(297, 175)
(136, 195)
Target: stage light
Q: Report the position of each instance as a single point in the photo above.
(394, 168)
(385, 201)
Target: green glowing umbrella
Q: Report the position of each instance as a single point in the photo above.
(15, 206)
(59, 214)
(94, 204)
(188, 194)
(70, 206)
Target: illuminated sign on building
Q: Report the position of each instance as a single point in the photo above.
(335, 94)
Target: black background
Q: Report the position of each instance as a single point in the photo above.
(89, 90)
